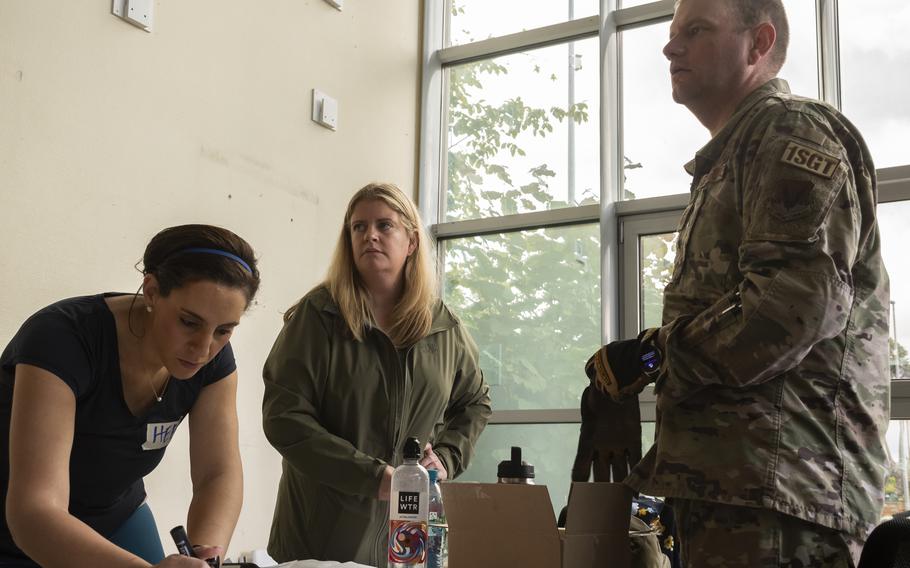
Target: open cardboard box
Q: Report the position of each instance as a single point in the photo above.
(494, 525)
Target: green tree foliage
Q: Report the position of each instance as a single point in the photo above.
(480, 180)
(532, 298)
(657, 254)
(898, 361)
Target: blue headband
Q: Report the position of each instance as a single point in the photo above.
(220, 253)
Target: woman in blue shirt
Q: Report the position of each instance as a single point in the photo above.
(92, 390)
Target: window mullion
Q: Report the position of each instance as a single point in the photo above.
(611, 172)
(828, 52)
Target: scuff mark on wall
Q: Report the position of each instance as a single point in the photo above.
(260, 171)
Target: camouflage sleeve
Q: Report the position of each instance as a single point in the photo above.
(800, 238)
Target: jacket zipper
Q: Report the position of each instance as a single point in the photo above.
(405, 394)
(380, 546)
(401, 367)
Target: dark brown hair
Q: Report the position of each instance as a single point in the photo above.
(168, 257)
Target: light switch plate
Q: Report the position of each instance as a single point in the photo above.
(139, 13)
(325, 110)
(135, 12)
(329, 113)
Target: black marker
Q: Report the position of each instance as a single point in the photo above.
(182, 541)
(184, 547)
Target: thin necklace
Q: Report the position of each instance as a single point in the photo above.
(163, 388)
(158, 397)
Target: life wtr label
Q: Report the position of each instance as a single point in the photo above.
(408, 502)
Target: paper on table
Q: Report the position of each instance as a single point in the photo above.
(321, 564)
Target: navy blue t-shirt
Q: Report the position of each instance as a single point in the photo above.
(76, 339)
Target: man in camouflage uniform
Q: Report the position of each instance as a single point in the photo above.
(773, 385)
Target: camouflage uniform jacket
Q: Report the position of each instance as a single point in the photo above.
(774, 389)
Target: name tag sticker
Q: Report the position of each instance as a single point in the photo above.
(810, 160)
(158, 435)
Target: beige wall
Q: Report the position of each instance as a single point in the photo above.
(108, 134)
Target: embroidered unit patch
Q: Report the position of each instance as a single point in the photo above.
(810, 160)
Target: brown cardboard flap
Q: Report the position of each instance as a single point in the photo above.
(494, 525)
(600, 551)
(597, 526)
(491, 507)
(597, 508)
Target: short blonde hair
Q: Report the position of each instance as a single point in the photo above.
(413, 315)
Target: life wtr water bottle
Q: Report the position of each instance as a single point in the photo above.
(408, 511)
(438, 551)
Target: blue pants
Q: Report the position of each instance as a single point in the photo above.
(139, 535)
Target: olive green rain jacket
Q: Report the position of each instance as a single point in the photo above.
(339, 410)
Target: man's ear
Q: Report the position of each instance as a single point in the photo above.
(764, 37)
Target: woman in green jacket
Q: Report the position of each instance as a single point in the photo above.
(366, 359)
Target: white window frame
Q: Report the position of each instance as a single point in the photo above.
(621, 222)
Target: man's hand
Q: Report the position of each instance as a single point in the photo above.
(431, 461)
(616, 368)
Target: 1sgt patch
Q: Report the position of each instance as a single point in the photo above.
(810, 159)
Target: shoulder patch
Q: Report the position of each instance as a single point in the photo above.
(810, 159)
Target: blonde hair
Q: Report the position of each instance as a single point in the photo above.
(413, 315)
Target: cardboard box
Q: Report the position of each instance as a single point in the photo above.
(513, 526)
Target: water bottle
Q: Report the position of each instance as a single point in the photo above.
(437, 556)
(408, 511)
(515, 470)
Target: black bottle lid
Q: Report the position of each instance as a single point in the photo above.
(412, 449)
(515, 468)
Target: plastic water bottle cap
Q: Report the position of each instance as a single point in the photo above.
(515, 468)
(434, 475)
(412, 449)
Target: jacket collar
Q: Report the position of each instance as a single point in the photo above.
(443, 319)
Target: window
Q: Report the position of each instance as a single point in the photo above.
(542, 445)
(472, 20)
(551, 175)
(531, 300)
(894, 234)
(655, 259)
(876, 86)
(897, 496)
(516, 215)
(659, 136)
(523, 132)
(801, 68)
